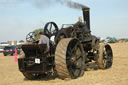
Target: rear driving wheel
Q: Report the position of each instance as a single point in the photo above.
(105, 58)
(69, 59)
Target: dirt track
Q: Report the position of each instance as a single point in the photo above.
(117, 75)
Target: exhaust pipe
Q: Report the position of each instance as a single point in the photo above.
(86, 16)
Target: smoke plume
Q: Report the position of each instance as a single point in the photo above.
(72, 4)
(48, 3)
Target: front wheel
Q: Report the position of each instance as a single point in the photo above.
(105, 56)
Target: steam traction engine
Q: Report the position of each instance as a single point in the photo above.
(72, 49)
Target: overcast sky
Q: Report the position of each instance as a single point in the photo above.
(19, 17)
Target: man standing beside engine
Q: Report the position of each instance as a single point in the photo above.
(44, 39)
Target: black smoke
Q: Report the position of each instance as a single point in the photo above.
(47, 3)
(50, 3)
(72, 4)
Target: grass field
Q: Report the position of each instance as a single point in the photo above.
(117, 75)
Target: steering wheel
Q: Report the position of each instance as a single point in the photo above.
(50, 29)
(30, 37)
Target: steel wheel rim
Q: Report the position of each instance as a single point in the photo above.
(107, 57)
(74, 60)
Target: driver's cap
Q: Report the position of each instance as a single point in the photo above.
(41, 33)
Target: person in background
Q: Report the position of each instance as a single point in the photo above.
(44, 39)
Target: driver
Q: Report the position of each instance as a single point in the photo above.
(44, 39)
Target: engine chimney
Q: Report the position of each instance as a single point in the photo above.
(86, 16)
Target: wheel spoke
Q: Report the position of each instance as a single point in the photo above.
(74, 48)
(50, 27)
(77, 72)
(78, 53)
(47, 31)
(77, 65)
(69, 53)
(27, 37)
(109, 59)
(30, 37)
(74, 71)
(78, 58)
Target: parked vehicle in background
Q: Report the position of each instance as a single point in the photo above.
(1, 49)
(3, 44)
(10, 50)
(110, 40)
